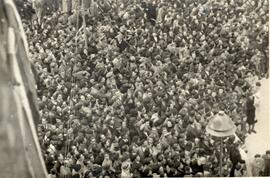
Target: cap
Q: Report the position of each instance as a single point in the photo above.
(125, 165)
(258, 84)
(169, 124)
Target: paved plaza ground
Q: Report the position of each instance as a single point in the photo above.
(260, 142)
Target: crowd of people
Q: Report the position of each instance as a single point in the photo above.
(130, 95)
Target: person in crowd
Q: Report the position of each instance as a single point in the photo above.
(240, 170)
(126, 169)
(257, 96)
(257, 166)
(250, 113)
(266, 171)
(235, 158)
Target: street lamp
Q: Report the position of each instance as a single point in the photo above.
(221, 126)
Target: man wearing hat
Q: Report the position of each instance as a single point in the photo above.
(257, 165)
(250, 113)
(126, 170)
(266, 171)
(235, 157)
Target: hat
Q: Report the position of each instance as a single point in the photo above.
(132, 58)
(125, 165)
(169, 124)
(97, 170)
(187, 170)
(267, 152)
(202, 160)
(109, 74)
(77, 167)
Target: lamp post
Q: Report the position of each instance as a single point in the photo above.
(221, 126)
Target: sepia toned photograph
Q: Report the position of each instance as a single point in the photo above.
(134, 88)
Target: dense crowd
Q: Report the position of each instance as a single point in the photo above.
(130, 95)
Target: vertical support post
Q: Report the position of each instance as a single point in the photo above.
(77, 24)
(84, 25)
(221, 157)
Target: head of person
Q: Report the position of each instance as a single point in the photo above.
(257, 157)
(268, 154)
